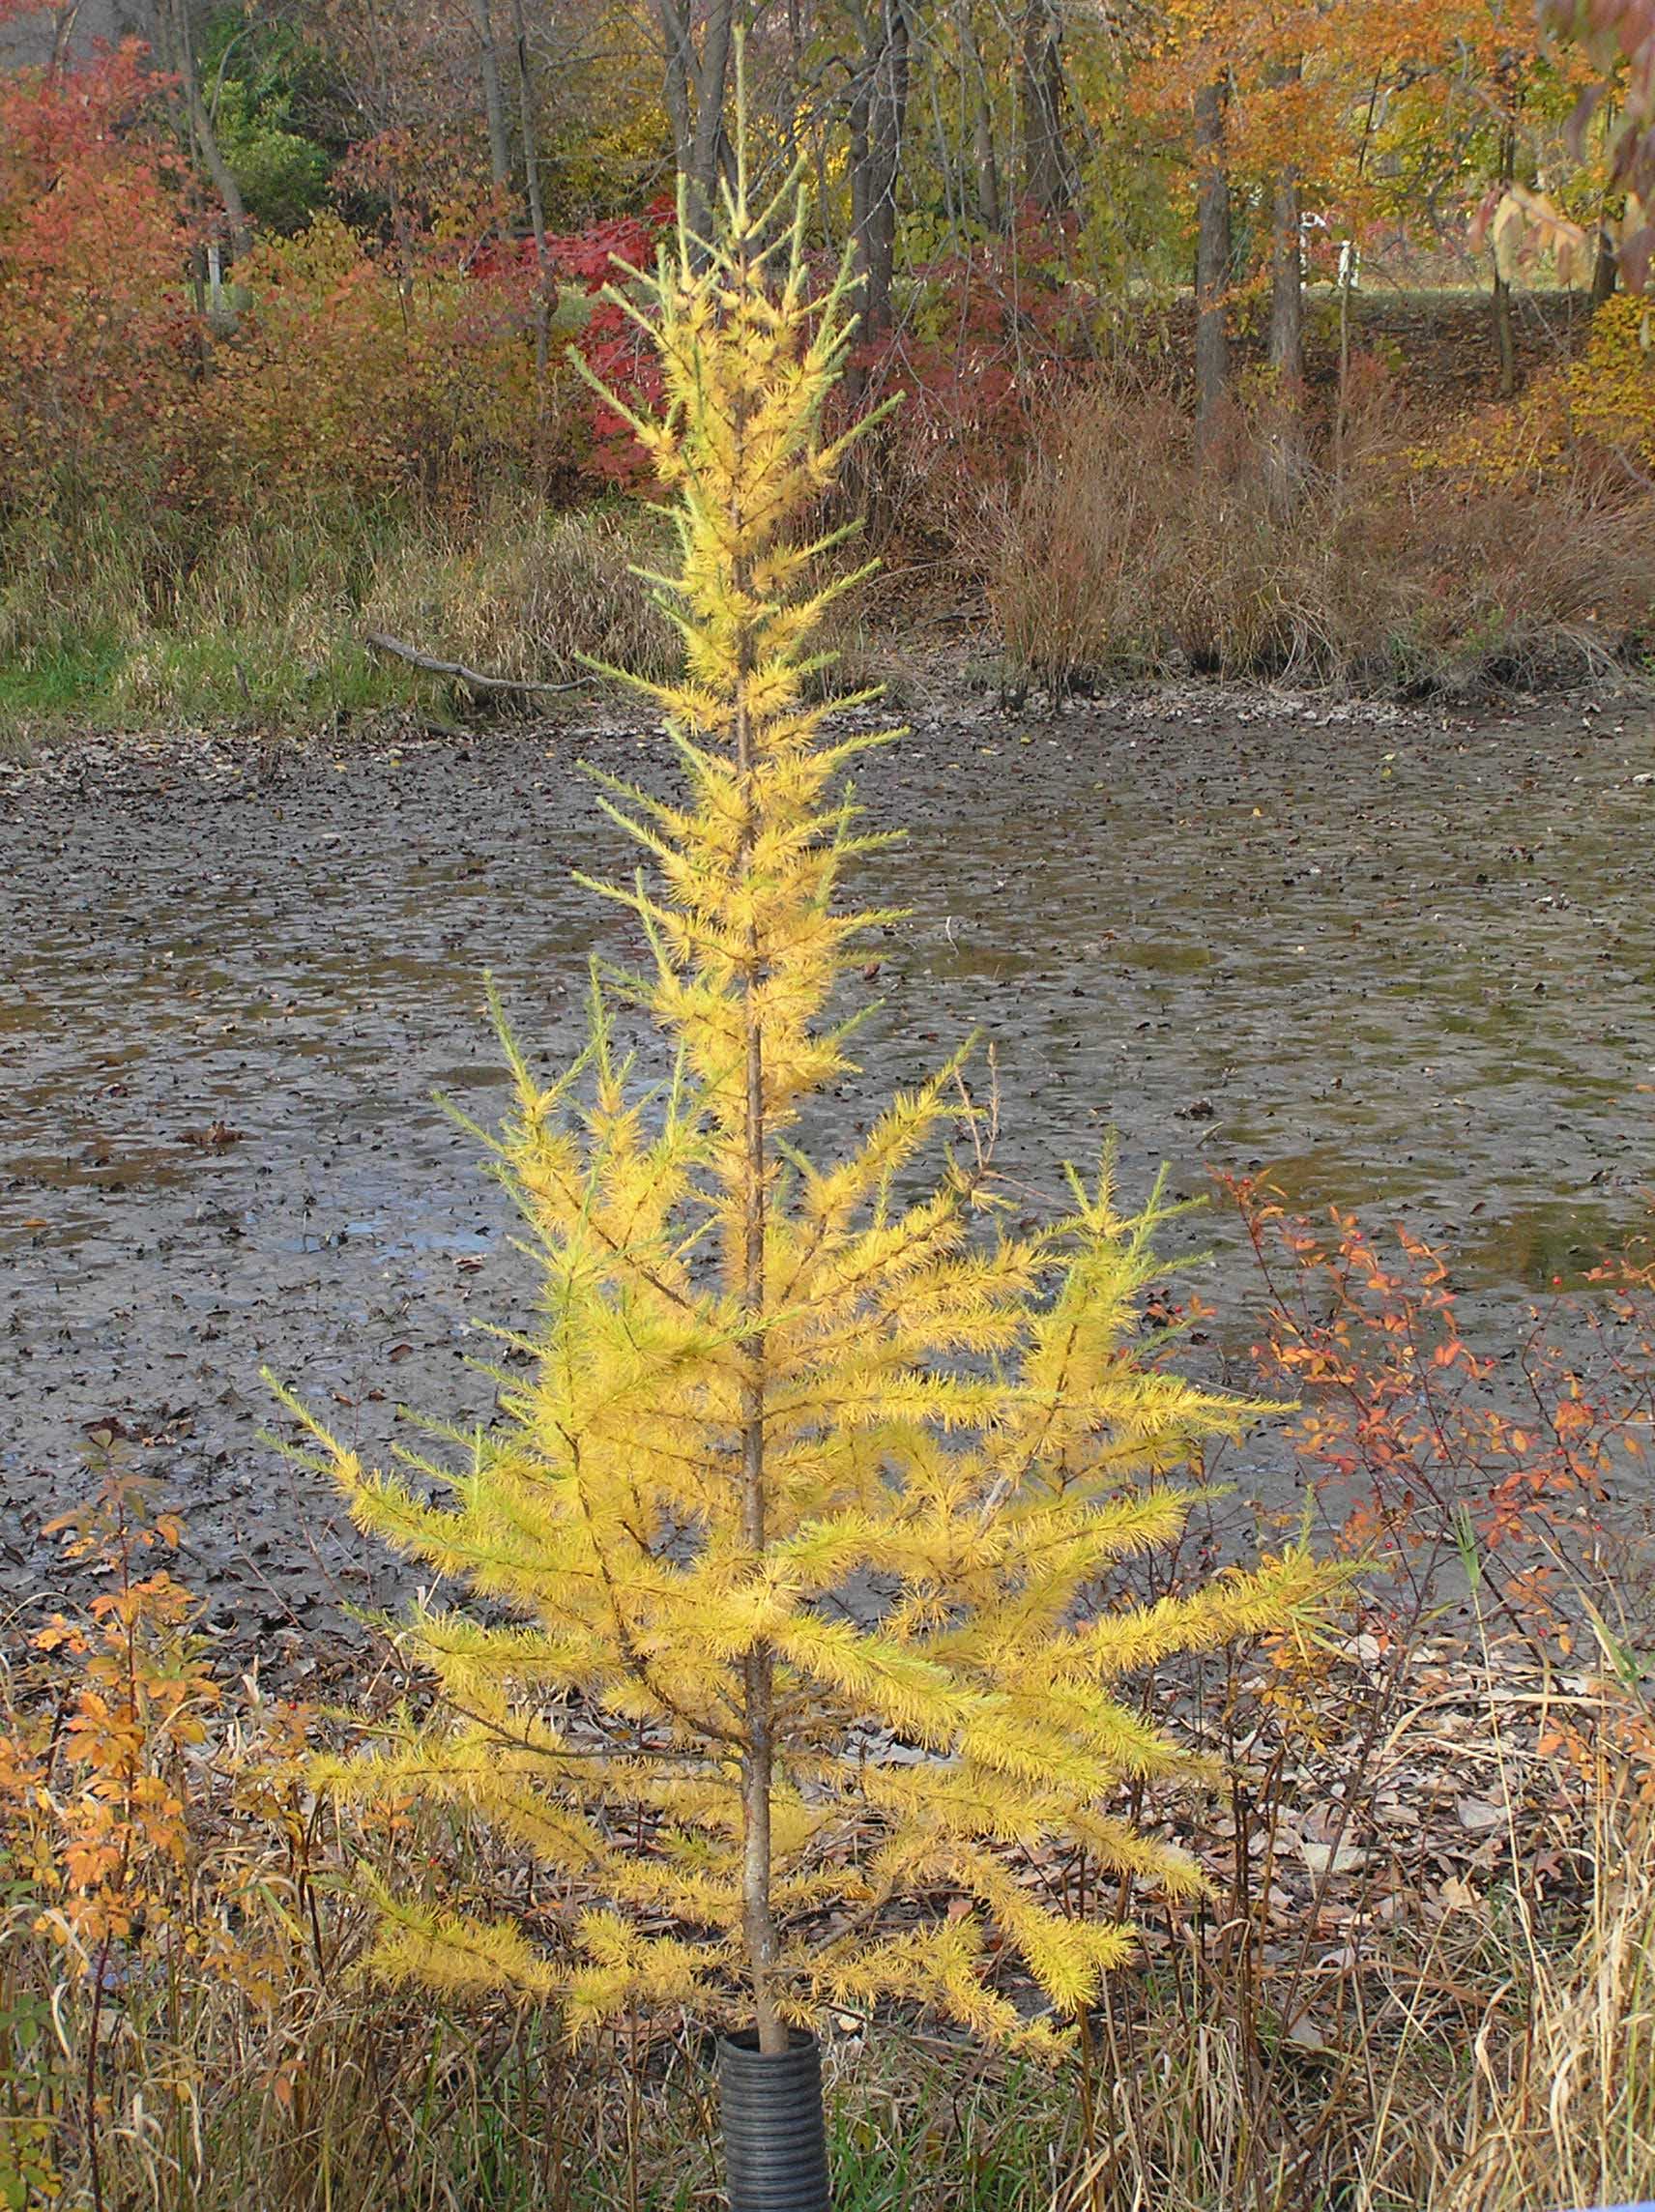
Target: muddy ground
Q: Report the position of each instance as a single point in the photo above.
(1407, 962)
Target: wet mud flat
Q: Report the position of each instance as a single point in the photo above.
(1406, 963)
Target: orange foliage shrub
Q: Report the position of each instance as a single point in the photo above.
(1416, 1446)
(155, 1847)
(346, 376)
(103, 1750)
(98, 366)
(341, 369)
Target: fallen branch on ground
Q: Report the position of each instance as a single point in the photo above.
(475, 678)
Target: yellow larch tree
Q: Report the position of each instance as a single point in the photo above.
(789, 1540)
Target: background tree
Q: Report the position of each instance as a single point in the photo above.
(695, 43)
(1212, 252)
(878, 125)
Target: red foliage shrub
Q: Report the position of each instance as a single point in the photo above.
(1424, 1451)
(101, 362)
(985, 339)
(610, 342)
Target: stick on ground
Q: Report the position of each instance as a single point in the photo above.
(473, 677)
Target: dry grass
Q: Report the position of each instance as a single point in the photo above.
(1122, 553)
(530, 594)
(109, 630)
(1303, 2044)
(1564, 2115)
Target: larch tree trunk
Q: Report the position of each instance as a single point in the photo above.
(758, 1757)
(1048, 172)
(1212, 253)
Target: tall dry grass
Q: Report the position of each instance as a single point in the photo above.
(530, 594)
(1343, 2039)
(1122, 551)
(115, 627)
(1564, 2115)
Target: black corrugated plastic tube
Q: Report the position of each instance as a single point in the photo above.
(776, 2144)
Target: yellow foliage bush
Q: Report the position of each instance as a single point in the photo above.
(1611, 389)
(1595, 408)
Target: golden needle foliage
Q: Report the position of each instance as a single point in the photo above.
(800, 1514)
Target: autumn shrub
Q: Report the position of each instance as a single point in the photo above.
(1417, 1447)
(345, 375)
(1590, 421)
(1424, 1983)
(99, 363)
(1123, 552)
(982, 338)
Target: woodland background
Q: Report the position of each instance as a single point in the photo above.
(1266, 340)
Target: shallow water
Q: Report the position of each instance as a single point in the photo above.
(1406, 968)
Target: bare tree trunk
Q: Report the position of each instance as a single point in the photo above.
(984, 163)
(1287, 285)
(824, 208)
(528, 133)
(536, 221)
(63, 32)
(400, 228)
(1048, 173)
(1606, 269)
(709, 141)
(693, 89)
(1506, 336)
(679, 68)
(878, 119)
(206, 138)
(493, 98)
(1211, 259)
(1286, 450)
(1286, 267)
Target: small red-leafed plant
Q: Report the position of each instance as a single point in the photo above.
(1421, 1448)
